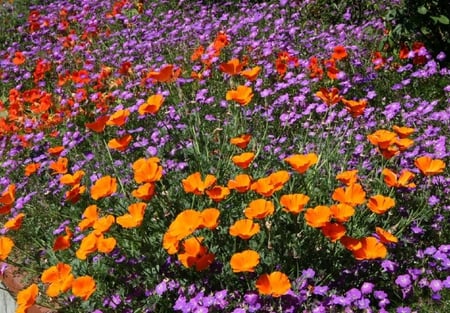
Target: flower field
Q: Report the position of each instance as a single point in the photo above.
(185, 156)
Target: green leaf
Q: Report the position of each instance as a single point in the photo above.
(422, 10)
(443, 20)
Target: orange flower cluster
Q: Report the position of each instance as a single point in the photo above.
(390, 143)
(283, 61)
(74, 181)
(7, 199)
(194, 184)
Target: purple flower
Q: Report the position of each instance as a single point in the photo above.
(367, 288)
(403, 280)
(403, 309)
(436, 285)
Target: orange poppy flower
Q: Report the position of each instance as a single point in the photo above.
(241, 141)
(19, 58)
(244, 261)
(370, 249)
(315, 69)
(355, 107)
(15, 223)
(195, 254)
(339, 53)
(232, 67)
(251, 74)
(31, 168)
(83, 287)
(342, 212)
(104, 223)
(197, 53)
(333, 231)
(318, 216)
(390, 152)
(9, 195)
(302, 162)
(217, 193)
(210, 218)
(72, 180)
(74, 194)
(99, 124)
(185, 224)
(59, 277)
(379, 204)
(392, 180)
(294, 203)
(170, 243)
(152, 105)
(382, 138)
(259, 208)
(241, 183)
(244, 229)
(274, 284)
(348, 177)
(63, 242)
(332, 70)
(403, 131)
(243, 160)
(95, 242)
(147, 170)
(118, 118)
(429, 166)
(352, 195)
(59, 166)
(404, 143)
(103, 187)
(105, 245)
(26, 298)
(329, 96)
(144, 192)
(6, 245)
(166, 74)
(351, 244)
(267, 186)
(242, 95)
(55, 151)
(385, 236)
(120, 144)
(194, 183)
(135, 216)
(90, 215)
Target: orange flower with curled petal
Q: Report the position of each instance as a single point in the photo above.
(274, 284)
(152, 105)
(118, 118)
(242, 95)
(267, 186)
(194, 183)
(329, 96)
(379, 204)
(244, 229)
(19, 58)
(63, 242)
(352, 195)
(59, 166)
(351, 244)
(318, 216)
(144, 192)
(59, 277)
(244, 261)
(185, 224)
(9, 195)
(294, 203)
(382, 138)
(348, 177)
(147, 170)
(26, 298)
(195, 254)
(55, 151)
(121, 143)
(333, 231)
(90, 215)
(403, 180)
(210, 218)
(72, 180)
(135, 216)
(15, 223)
(241, 183)
(74, 194)
(404, 143)
(103, 224)
(243, 160)
(83, 287)
(218, 193)
(385, 236)
(402, 131)
(339, 53)
(301, 163)
(6, 245)
(166, 74)
(170, 243)
(355, 107)
(105, 245)
(241, 141)
(99, 124)
(429, 166)
(251, 74)
(259, 208)
(342, 212)
(103, 187)
(370, 249)
(31, 168)
(232, 67)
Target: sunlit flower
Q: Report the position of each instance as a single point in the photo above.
(429, 166)
(385, 236)
(379, 204)
(118, 118)
(59, 278)
(352, 195)
(243, 160)
(135, 216)
(274, 284)
(121, 143)
(217, 193)
(244, 229)
(241, 141)
(244, 261)
(26, 298)
(301, 163)
(318, 216)
(294, 203)
(6, 245)
(241, 183)
(195, 254)
(242, 95)
(259, 208)
(15, 222)
(83, 287)
(194, 183)
(152, 105)
(103, 187)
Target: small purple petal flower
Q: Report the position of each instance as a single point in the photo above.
(403, 280)
(436, 285)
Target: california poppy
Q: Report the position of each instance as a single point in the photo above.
(55, 151)
(99, 124)
(379, 204)
(339, 53)
(259, 208)
(147, 170)
(118, 118)
(244, 229)
(403, 180)
(302, 162)
(83, 287)
(185, 224)
(251, 74)
(385, 236)
(210, 218)
(195, 254)
(333, 231)
(63, 242)
(31, 168)
(244, 261)
(170, 243)
(241, 141)
(135, 216)
(6, 245)
(197, 53)
(72, 180)
(59, 277)
(294, 203)
(370, 249)
(274, 284)
(352, 195)
(90, 215)
(167, 73)
(102, 224)
(9, 195)
(342, 212)
(26, 298)
(382, 138)
(15, 222)
(429, 166)
(59, 166)
(232, 67)
(19, 58)
(243, 160)
(329, 96)
(217, 193)
(103, 187)
(144, 192)
(267, 186)
(241, 183)
(355, 107)
(242, 95)
(152, 105)
(194, 183)
(121, 143)
(318, 216)
(348, 177)
(403, 131)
